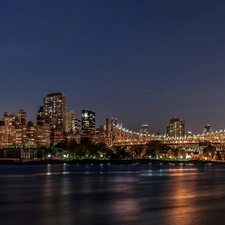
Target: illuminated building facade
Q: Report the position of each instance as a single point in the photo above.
(55, 111)
(7, 133)
(16, 134)
(77, 126)
(22, 116)
(42, 135)
(70, 121)
(176, 127)
(30, 132)
(207, 129)
(40, 117)
(87, 121)
(144, 129)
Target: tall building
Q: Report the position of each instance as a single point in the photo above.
(77, 126)
(22, 115)
(7, 132)
(176, 127)
(40, 117)
(87, 121)
(30, 132)
(55, 111)
(70, 121)
(144, 129)
(207, 129)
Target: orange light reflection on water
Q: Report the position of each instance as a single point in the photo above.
(183, 196)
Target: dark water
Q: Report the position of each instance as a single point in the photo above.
(112, 194)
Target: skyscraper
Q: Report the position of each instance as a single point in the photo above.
(207, 129)
(22, 115)
(77, 126)
(176, 127)
(144, 129)
(70, 121)
(87, 121)
(55, 111)
(40, 116)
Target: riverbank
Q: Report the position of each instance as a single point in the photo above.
(91, 161)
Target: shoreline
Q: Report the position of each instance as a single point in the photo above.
(90, 161)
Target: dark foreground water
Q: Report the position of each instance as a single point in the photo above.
(112, 194)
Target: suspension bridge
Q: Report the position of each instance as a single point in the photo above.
(120, 136)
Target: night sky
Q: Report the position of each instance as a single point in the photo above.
(141, 61)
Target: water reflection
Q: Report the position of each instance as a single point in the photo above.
(182, 199)
(112, 194)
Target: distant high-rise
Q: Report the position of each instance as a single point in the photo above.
(55, 111)
(144, 129)
(176, 127)
(207, 129)
(87, 121)
(70, 121)
(77, 126)
(40, 116)
(22, 115)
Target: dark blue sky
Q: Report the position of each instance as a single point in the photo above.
(141, 61)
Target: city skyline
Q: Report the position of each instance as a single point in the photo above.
(55, 103)
(141, 62)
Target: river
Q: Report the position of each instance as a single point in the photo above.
(105, 194)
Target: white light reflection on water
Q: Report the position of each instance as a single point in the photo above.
(169, 172)
(140, 194)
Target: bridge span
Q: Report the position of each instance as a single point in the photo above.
(120, 136)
